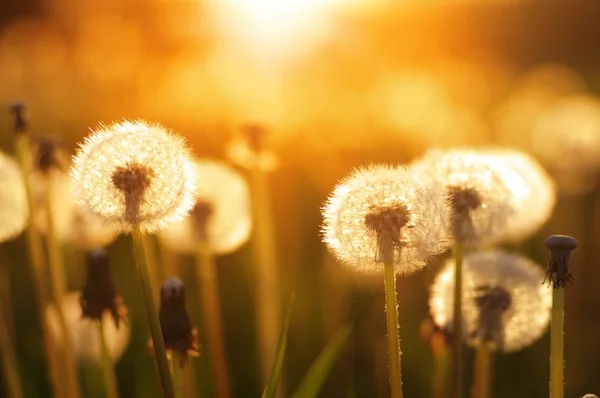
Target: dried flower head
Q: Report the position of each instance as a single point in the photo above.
(134, 173)
(560, 247)
(86, 338)
(221, 217)
(99, 293)
(73, 224)
(175, 323)
(249, 149)
(503, 300)
(382, 213)
(475, 192)
(533, 192)
(13, 199)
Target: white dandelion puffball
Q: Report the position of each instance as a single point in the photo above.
(475, 189)
(73, 224)
(413, 220)
(84, 331)
(134, 173)
(222, 216)
(533, 192)
(13, 199)
(525, 318)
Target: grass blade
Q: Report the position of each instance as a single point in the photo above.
(271, 388)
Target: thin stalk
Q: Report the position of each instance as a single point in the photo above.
(556, 344)
(9, 360)
(211, 308)
(483, 365)
(441, 357)
(187, 381)
(153, 322)
(38, 264)
(108, 370)
(153, 269)
(58, 280)
(176, 371)
(267, 311)
(457, 390)
(393, 337)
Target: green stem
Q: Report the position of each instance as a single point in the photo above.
(211, 308)
(482, 377)
(153, 322)
(38, 264)
(441, 356)
(556, 344)
(108, 371)
(393, 337)
(457, 391)
(57, 278)
(267, 310)
(177, 373)
(9, 360)
(153, 269)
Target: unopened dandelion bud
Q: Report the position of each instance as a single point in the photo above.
(249, 148)
(48, 157)
(560, 246)
(178, 333)
(99, 293)
(21, 125)
(256, 136)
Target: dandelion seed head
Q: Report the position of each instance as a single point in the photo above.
(13, 200)
(221, 217)
(84, 331)
(134, 173)
(476, 192)
(507, 283)
(380, 211)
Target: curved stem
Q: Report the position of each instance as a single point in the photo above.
(9, 360)
(556, 344)
(58, 280)
(457, 325)
(482, 379)
(38, 264)
(393, 336)
(153, 322)
(108, 371)
(211, 308)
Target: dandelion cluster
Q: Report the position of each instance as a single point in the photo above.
(13, 200)
(381, 209)
(495, 279)
(134, 173)
(221, 217)
(475, 191)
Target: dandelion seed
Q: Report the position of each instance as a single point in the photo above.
(221, 216)
(13, 199)
(476, 193)
(503, 300)
(134, 173)
(84, 331)
(381, 211)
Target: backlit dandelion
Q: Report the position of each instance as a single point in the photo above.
(378, 209)
(13, 199)
(503, 299)
(221, 217)
(134, 173)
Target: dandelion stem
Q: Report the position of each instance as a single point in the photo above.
(457, 325)
(9, 360)
(267, 301)
(153, 268)
(36, 257)
(176, 369)
(393, 336)
(57, 278)
(211, 308)
(483, 365)
(441, 356)
(153, 322)
(556, 343)
(108, 371)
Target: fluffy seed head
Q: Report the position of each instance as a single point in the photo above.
(221, 216)
(503, 299)
(134, 173)
(381, 213)
(13, 200)
(476, 193)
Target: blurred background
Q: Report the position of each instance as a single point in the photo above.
(338, 83)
